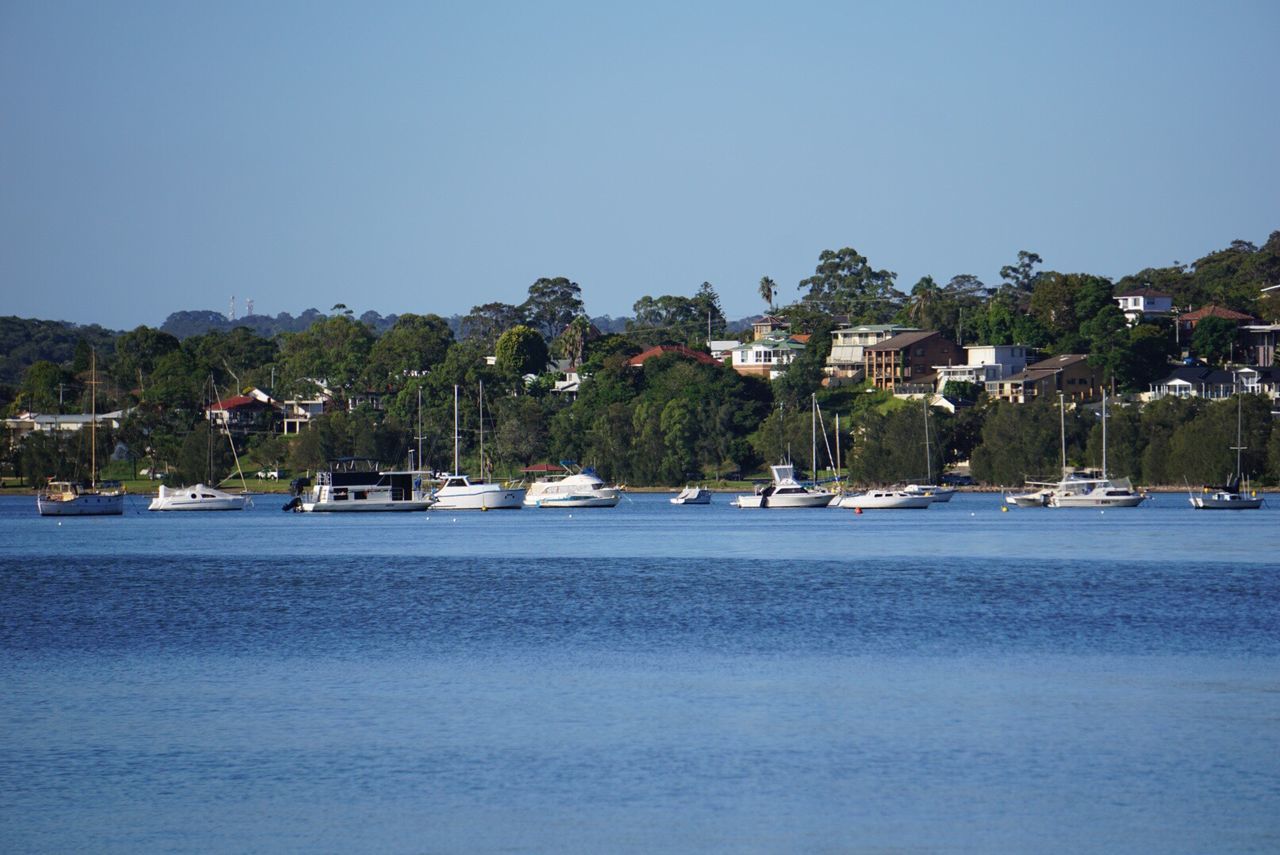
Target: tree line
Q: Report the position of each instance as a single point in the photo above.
(673, 420)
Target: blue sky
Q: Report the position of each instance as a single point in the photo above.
(414, 157)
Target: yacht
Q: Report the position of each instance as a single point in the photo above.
(75, 499)
(457, 492)
(570, 489)
(884, 500)
(692, 496)
(198, 498)
(1101, 492)
(357, 485)
(1229, 497)
(785, 492)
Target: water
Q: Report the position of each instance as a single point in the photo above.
(646, 678)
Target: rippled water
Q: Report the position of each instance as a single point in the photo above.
(646, 678)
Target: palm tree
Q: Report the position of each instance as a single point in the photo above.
(767, 289)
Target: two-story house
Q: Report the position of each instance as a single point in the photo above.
(905, 362)
(846, 361)
(985, 364)
(1144, 303)
(1070, 373)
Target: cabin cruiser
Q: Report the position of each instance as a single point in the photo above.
(198, 498)
(569, 489)
(1095, 493)
(934, 492)
(884, 500)
(75, 499)
(785, 492)
(460, 493)
(357, 485)
(692, 496)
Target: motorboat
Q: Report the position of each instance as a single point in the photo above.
(357, 485)
(692, 496)
(785, 492)
(884, 500)
(1031, 498)
(198, 498)
(570, 489)
(1095, 493)
(460, 493)
(934, 492)
(457, 492)
(74, 499)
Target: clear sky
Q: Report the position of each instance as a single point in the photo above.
(421, 157)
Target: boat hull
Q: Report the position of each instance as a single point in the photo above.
(81, 506)
(479, 497)
(1226, 502)
(365, 507)
(885, 502)
(571, 501)
(1089, 501)
(197, 498)
(692, 497)
(798, 500)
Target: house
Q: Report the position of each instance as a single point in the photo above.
(1202, 381)
(848, 343)
(766, 356)
(641, 358)
(769, 325)
(985, 364)
(720, 348)
(1144, 303)
(255, 410)
(52, 423)
(298, 412)
(1069, 374)
(1187, 322)
(1259, 341)
(904, 363)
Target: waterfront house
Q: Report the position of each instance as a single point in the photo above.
(904, 363)
(848, 344)
(1069, 374)
(985, 364)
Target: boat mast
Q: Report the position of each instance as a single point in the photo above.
(928, 461)
(456, 468)
(93, 419)
(1239, 437)
(1062, 430)
(482, 430)
(419, 461)
(813, 435)
(1104, 434)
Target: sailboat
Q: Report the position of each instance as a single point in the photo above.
(202, 497)
(459, 493)
(935, 492)
(72, 498)
(1229, 497)
(1077, 492)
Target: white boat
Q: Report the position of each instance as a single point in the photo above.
(884, 500)
(354, 485)
(457, 492)
(73, 499)
(1035, 498)
(933, 492)
(1101, 492)
(198, 498)
(785, 492)
(692, 496)
(1229, 497)
(582, 489)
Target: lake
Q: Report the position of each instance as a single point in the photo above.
(646, 678)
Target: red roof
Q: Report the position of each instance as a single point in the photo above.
(543, 467)
(232, 403)
(1212, 311)
(661, 350)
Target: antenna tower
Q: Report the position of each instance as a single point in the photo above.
(231, 316)
(248, 306)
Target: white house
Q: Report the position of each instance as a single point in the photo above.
(1144, 303)
(766, 356)
(985, 363)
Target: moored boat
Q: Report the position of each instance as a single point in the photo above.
(569, 489)
(72, 499)
(198, 498)
(357, 485)
(692, 496)
(785, 492)
(884, 500)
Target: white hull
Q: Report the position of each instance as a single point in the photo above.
(479, 497)
(1038, 499)
(367, 506)
(582, 490)
(90, 505)
(1089, 500)
(197, 498)
(798, 500)
(692, 496)
(1226, 502)
(884, 500)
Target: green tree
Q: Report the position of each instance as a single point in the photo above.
(1214, 340)
(43, 388)
(334, 351)
(768, 288)
(552, 305)
(485, 323)
(521, 350)
(844, 281)
(137, 353)
(411, 347)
